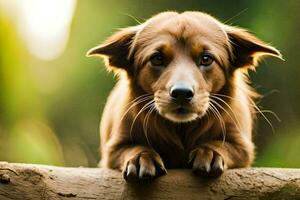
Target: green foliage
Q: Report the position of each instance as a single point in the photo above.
(283, 150)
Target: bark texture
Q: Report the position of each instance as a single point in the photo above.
(26, 181)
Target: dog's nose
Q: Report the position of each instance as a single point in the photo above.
(182, 93)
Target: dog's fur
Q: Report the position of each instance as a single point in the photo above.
(142, 133)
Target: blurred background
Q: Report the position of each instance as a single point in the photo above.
(52, 96)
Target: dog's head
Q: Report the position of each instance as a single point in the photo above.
(182, 59)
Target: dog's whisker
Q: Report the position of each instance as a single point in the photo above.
(139, 97)
(161, 103)
(215, 112)
(219, 116)
(263, 115)
(253, 105)
(235, 16)
(135, 103)
(161, 100)
(234, 119)
(232, 98)
(270, 112)
(207, 115)
(210, 108)
(132, 17)
(146, 106)
(146, 120)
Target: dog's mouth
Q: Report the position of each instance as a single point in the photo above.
(181, 110)
(181, 113)
(178, 114)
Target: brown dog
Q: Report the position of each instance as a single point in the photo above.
(182, 99)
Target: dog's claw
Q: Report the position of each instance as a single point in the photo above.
(207, 163)
(144, 166)
(130, 173)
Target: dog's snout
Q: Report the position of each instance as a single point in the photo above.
(181, 93)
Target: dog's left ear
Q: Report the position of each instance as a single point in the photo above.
(116, 48)
(246, 48)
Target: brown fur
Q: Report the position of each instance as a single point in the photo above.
(143, 142)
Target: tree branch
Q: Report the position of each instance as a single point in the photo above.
(27, 181)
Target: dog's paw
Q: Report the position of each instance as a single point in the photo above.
(206, 162)
(144, 166)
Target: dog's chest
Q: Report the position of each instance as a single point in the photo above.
(174, 145)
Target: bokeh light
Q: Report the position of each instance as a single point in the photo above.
(45, 25)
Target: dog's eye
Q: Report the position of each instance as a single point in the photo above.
(206, 60)
(157, 59)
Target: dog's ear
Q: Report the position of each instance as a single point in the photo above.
(246, 48)
(116, 48)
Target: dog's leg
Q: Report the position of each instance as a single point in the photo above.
(212, 158)
(138, 162)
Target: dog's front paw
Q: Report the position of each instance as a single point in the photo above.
(206, 162)
(144, 166)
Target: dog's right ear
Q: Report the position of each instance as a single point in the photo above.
(116, 48)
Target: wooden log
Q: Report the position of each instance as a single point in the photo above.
(27, 181)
